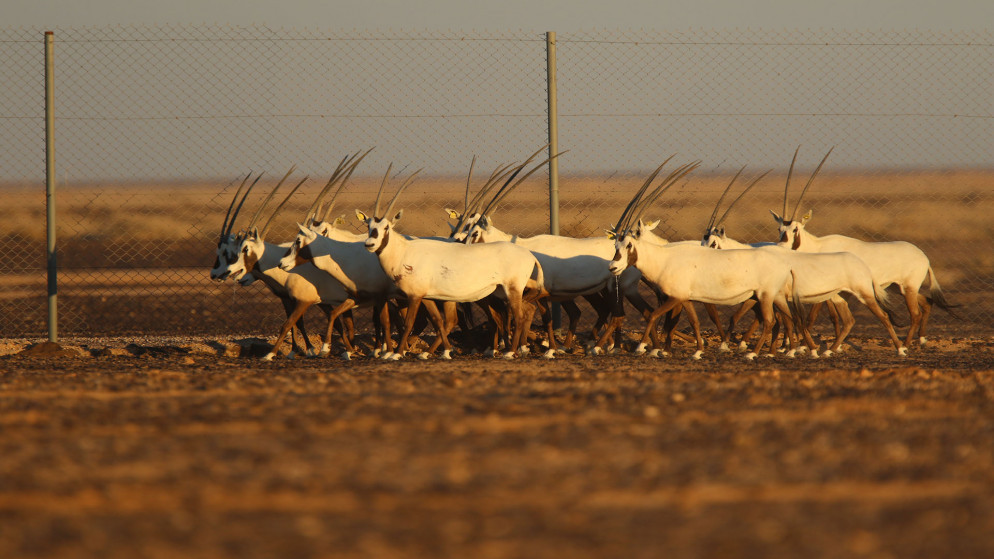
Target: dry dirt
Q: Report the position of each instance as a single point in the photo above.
(126, 448)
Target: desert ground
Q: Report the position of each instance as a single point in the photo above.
(154, 430)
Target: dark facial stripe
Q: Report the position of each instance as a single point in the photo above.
(386, 239)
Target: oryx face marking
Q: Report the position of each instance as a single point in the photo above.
(379, 234)
(625, 254)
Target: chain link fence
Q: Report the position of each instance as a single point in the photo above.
(155, 125)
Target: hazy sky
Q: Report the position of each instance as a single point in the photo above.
(542, 15)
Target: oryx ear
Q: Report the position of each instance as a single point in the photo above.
(806, 217)
(302, 229)
(721, 231)
(777, 217)
(611, 234)
(397, 217)
(361, 216)
(254, 233)
(340, 220)
(651, 225)
(452, 213)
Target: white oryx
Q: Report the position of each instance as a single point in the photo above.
(303, 287)
(228, 251)
(573, 267)
(892, 263)
(431, 270)
(694, 273)
(345, 262)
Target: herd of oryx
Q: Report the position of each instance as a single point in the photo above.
(401, 277)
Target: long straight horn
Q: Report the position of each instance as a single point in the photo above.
(265, 202)
(396, 195)
(383, 183)
(669, 181)
(224, 225)
(648, 197)
(238, 209)
(739, 197)
(469, 177)
(276, 212)
(714, 214)
(344, 181)
(312, 210)
(638, 195)
(505, 191)
(787, 186)
(810, 180)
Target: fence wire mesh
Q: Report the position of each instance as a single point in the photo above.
(154, 125)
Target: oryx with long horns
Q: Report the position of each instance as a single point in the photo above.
(891, 263)
(694, 273)
(304, 287)
(431, 270)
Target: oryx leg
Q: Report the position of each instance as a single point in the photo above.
(925, 304)
(874, 307)
(308, 349)
(516, 308)
(413, 304)
(670, 304)
(288, 324)
(766, 310)
(572, 311)
(442, 326)
(342, 308)
(844, 321)
(745, 307)
(696, 325)
(712, 311)
(911, 299)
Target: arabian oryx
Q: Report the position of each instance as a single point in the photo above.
(892, 263)
(230, 251)
(572, 267)
(346, 263)
(715, 237)
(431, 270)
(304, 287)
(694, 273)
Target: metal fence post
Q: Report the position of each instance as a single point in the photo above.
(50, 255)
(550, 50)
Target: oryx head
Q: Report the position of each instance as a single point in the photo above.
(626, 236)
(790, 230)
(625, 251)
(300, 250)
(251, 245)
(380, 225)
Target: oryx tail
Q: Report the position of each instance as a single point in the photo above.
(937, 297)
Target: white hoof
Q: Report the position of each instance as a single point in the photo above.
(922, 341)
(377, 352)
(903, 352)
(658, 353)
(509, 355)
(743, 346)
(610, 347)
(524, 350)
(827, 353)
(792, 353)
(640, 349)
(803, 349)
(751, 356)
(597, 351)
(724, 347)
(769, 355)
(424, 355)
(347, 356)
(814, 354)
(325, 350)
(269, 356)
(697, 355)
(447, 354)
(550, 354)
